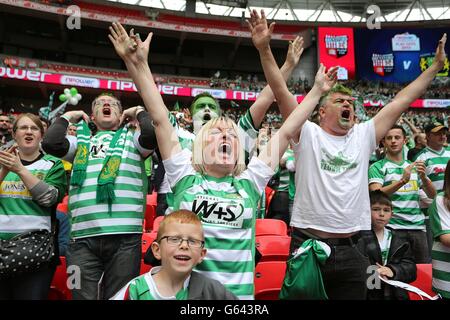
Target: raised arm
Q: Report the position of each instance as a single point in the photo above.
(265, 98)
(134, 53)
(261, 35)
(411, 125)
(290, 130)
(386, 118)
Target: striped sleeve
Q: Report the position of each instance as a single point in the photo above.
(178, 166)
(57, 177)
(376, 174)
(439, 217)
(259, 173)
(248, 133)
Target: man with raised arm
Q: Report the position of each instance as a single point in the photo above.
(332, 159)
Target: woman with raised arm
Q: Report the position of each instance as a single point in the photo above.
(212, 180)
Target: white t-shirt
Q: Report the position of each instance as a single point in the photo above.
(331, 179)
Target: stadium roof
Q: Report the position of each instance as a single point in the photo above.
(314, 10)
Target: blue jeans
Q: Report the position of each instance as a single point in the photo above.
(28, 286)
(63, 232)
(345, 271)
(115, 257)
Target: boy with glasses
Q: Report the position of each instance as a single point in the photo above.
(180, 247)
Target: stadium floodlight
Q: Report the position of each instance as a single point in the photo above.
(232, 3)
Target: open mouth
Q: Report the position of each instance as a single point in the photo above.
(106, 111)
(29, 139)
(345, 114)
(207, 117)
(225, 148)
(182, 257)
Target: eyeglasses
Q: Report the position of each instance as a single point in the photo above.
(177, 241)
(25, 128)
(111, 102)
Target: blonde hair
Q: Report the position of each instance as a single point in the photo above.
(198, 161)
(180, 216)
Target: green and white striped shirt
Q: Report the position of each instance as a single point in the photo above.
(435, 163)
(18, 211)
(440, 254)
(90, 218)
(144, 288)
(405, 201)
(287, 178)
(227, 207)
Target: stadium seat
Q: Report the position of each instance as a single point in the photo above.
(267, 227)
(58, 287)
(65, 199)
(144, 267)
(63, 207)
(273, 248)
(152, 198)
(269, 195)
(269, 278)
(147, 240)
(423, 281)
(150, 211)
(157, 222)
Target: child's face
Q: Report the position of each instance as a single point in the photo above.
(381, 214)
(180, 258)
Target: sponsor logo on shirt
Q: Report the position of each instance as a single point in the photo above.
(336, 164)
(217, 210)
(438, 170)
(99, 146)
(15, 189)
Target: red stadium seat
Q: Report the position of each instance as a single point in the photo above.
(150, 211)
(63, 207)
(65, 199)
(147, 240)
(273, 248)
(152, 198)
(423, 281)
(269, 278)
(269, 195)
(58, 287)
(144, 267)
(157, 222)
(267, 227)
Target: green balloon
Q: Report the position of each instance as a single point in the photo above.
(73, 92)
(62, 97)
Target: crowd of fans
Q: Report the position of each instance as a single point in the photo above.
(379, 90)
(215, 184)
(416, 116)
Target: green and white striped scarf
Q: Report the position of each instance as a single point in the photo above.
(111, 164)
